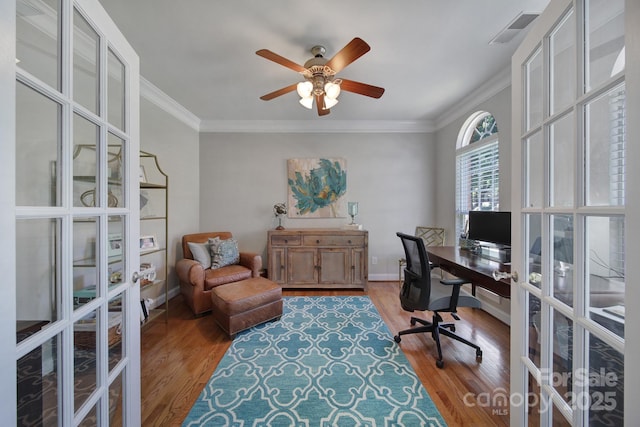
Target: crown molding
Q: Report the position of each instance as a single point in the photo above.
(316, 126)
(492, 87)
(156, 96)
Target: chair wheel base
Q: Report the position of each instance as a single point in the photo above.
(397, 338)
(439, 364)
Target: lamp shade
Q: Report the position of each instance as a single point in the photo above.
(329, 102)
(332, 90)
(304, 89)
(307, 102)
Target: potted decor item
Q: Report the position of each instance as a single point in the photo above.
(279, 209)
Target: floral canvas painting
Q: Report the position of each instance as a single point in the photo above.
(317, 188)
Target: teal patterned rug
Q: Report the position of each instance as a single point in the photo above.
(329, 361)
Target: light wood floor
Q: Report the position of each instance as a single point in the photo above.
(178, 359)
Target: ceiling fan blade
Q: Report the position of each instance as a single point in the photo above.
(352, 51)
(320, 103)
(361, 88)
(279, 92)
(267, 54)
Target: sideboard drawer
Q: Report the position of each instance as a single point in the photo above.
(286, 240)
(333, 240)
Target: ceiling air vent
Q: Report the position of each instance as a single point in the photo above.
(518, 24)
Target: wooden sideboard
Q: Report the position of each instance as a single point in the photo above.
(318, 258)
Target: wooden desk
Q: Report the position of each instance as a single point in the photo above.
(466, 265)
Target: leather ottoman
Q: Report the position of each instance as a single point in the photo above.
(241, 305)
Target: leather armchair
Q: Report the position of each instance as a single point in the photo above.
(196, 282)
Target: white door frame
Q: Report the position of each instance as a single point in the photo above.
(519, 320)
(632, 334)
(7, 215)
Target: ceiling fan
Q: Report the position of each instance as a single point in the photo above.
(319, 73)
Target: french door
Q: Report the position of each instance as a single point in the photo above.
(73, 240)
(574, 231)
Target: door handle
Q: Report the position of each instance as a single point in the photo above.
(136, 276)
(499, 275)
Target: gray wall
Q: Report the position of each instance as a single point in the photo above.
(392, 176)
(176, 145)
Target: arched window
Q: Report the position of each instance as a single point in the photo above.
(477, 168)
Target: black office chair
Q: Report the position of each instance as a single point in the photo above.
(421, 292)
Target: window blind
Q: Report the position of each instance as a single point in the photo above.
(617, 148)
(477, 182)
(617, 179)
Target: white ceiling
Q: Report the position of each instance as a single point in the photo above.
(427, 54)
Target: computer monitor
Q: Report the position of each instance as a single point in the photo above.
(491, 227)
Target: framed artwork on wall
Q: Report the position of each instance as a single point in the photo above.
(317, 188)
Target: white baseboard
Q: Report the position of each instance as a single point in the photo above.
(497, 313)
(383, 277)
(159, 300)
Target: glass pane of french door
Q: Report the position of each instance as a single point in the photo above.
(38, 40)
(86, 65)
(76, 224)
(572, 149)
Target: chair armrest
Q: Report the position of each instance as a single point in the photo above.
(190, 271)
(458, 300)
(252, 261)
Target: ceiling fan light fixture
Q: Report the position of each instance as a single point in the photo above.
(307, 102)
(332, 90)
(329, 102)
(304, 89)
(320, 77)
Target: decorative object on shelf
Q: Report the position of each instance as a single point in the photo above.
(115, 277)
(84, 331)
(115, 245)
(316, 188)
(143, 174)
(353, 211)
(146, 305)
(148, 243)
(352, 208)
(279, 209)
(144, 199)
(88, 199)
(148, 271)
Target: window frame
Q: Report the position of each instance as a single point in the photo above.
(464, 148)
